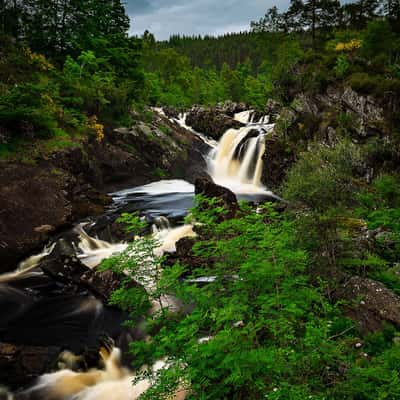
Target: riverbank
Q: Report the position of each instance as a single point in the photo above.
(45, 193)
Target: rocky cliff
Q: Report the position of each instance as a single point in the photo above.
(51, 192)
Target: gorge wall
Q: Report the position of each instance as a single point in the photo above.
(47, 194)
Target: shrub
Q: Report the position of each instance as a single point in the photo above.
(29, 109)
(342, 66)
(363, 82)
(324, 177)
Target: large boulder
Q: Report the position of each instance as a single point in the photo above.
(184, 255)
(369, 303)
(278, 158)
(231, 108)
(209, 189)
(20, 365)
(35, 202)
(211, 121)
(64, 267)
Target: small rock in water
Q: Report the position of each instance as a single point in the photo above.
(44, 229)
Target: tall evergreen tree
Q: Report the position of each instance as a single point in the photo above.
(10, 16)
(319, 14)
(60, 27)
(273, 21)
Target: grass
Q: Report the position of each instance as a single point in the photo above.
(28, 151)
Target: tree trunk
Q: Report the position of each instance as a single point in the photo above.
(2, 16)
(314, 6)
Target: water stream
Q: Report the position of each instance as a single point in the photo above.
(236, 162)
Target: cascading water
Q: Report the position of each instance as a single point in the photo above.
(182, 122)
(234, 162)
(93, 251)
(237, 161)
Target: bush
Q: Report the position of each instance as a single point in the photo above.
(378, 41)
(29, 109)
(324, 177)
(363, 82)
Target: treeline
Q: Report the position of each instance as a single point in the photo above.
(312, 44)
(323, 15)
(65, 63)
(66, 67)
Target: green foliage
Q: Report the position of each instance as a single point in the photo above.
(29, 107)
(259, 328)
(132, 222)
(324, 177)
(342, 66)
(380, 207)
(100, 78)
(271, 331)
(378, 41)
(362, 82)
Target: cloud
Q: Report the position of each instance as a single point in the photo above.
(166, 17)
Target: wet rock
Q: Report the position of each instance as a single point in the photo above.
(44, 229)
(171, 112)
(278, 158)
(34, 201)
(20, 365)
(60, 188)
(231, 108)
(211, 122)
(63, 266)
(185, 255)
(370, 303)
(102, 283)
(273, 109)
(209, 189)
(240, 150)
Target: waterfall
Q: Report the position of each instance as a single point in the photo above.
(237, 161)
(93, 251)
(169, 237)
(245, 117)
(27, 266)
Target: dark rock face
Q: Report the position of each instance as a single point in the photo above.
(278, 158)
(65, 186)
(184, 255)
(36, 201)
(315, 117)
(231, 108)
(273, 109)
(367, 113)
(212, 122)
(171, 112)
(370, 303)
(64, 267)
(20, 365)
(209, 189)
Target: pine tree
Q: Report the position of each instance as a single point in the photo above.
(357, 14)
(319, 14)
(60, 27)
(272, 21)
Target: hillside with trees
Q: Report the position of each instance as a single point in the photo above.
(294, 297)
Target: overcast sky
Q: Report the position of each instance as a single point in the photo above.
(166, 17)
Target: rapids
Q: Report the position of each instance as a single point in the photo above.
(235, 162)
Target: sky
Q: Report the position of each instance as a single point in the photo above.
(166, 17)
